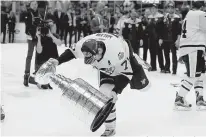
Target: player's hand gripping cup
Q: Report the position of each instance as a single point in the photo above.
(92, 104)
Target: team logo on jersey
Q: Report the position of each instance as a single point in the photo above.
(143, 81)
(121, 55)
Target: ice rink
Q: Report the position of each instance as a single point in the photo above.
(32, 112)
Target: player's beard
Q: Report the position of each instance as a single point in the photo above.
(89, 60)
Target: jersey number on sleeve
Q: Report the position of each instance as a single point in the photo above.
(125, 64)
(184, 30)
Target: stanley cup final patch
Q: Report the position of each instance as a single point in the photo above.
(121, 55)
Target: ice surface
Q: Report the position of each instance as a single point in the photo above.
(30, 111)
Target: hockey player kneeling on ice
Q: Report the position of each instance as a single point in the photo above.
(192, 49)
(115, 61)
(46, 49)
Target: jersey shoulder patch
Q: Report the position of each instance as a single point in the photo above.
(121, 55)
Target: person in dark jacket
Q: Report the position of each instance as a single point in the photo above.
(171, 32)
(69, 21)
(112, 23)
(11, 25)
(46, 47)
(145, 37)
(83, 25)
(58, 17)
(154, 30)
(123, 26)
(96, 22)
(4, 21)
(145, 34)
(31, 21)
(136, 32)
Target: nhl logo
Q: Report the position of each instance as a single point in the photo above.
(121, 55)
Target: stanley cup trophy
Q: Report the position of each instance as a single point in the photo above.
(94, 105)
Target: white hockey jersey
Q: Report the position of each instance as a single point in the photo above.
(116, 58)
(193, 32)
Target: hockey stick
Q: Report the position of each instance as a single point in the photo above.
(144, 64)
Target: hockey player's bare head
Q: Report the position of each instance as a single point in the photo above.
(89, 50)
(197, 5)
(92, 51)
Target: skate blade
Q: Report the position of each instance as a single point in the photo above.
(39, 86)
(110, 135)
(201, 108)
(3, 118)
(180, 108)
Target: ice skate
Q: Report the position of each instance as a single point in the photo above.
(109, 133)
(42, 86)
(200, 102)
(2, 114)
(181, 104)
(49, 86)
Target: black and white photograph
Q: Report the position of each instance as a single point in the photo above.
(103, 68)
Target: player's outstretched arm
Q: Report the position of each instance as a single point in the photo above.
(74, 51)
(66, 56)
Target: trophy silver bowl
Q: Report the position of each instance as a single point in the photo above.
(93, 105)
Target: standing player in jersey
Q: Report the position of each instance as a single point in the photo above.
(192, 50)
(117, 65)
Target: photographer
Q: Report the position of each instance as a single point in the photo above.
(31, 21)
(46, 47)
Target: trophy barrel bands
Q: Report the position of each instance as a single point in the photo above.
(93, 105)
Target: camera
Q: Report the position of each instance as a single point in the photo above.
(44, 28)
(42, 25)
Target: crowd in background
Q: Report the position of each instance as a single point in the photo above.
(8, 21)
(155, 27)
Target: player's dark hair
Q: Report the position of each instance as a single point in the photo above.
(90, 46)
(184, 12)
(197, 4)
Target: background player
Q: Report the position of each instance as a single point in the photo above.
(192, 50)
(115, 60)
